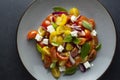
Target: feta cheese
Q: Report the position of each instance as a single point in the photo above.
(62, 68)
(45, 41)
(93, 33)
(73, 18)
(38, 37)
(50, 29)
(87, 65)
(74, 33)
(60, 48)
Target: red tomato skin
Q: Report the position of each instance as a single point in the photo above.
(45, 23)
(31, 34)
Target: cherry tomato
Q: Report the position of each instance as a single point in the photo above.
(88, 34)
(68, 64)
(31, 34)
(53, 52)
(62, 57)
(50, 17)
(92, 22)
(47, 61)
(45, 23)
(82, 18)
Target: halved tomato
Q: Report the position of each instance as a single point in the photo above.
(31, 34)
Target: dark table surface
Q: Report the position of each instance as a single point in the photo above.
(11, 67)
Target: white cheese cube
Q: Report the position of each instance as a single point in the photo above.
(73, 18)
(60, 48)
(38, 37)
(93, 33)
(74, 33)
(87, 65)
(50, 29)
(45, 41)
(62, 68)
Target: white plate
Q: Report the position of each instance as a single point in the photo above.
(91, 8)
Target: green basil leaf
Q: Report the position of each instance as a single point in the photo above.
(53, 64)
(85, 50)
(76, 40)
(98, 47)
(87, 25)
(57, 9)
(68, 38)
(39, 49)
(54, 25)
(70, 70)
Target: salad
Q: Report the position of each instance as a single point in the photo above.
(67, 41)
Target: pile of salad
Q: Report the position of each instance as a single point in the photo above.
(67, 41)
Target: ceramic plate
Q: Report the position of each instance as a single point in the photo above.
(92, 9)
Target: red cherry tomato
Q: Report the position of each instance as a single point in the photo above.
(45, 23)
(88, 34)
(50, 17)
(32, 34)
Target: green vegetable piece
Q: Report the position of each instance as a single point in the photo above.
(57, 9)
(85, 50)
(87, 25)
(68, 38)
(55, 43)
(70, 70)
(98, 47)
(53, 65)
(76, 40)
(54, 25)
(39, 48)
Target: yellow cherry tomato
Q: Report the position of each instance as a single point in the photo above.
(41, 31)
(74, 11)
(60, 30)
(46, 50)
(62, 20)
(53, 37)
(60, 40)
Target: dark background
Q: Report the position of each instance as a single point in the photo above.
(11, 67)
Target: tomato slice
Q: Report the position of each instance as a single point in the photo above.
(47, 61)
(61, 57)
(46, 23)
(88, 34)
(53, 55)
(31, 34)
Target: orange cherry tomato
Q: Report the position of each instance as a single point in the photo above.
(68, 64)
(62, 57)
(47, 61)
(46, 23)
(50, 17)
(88, 34)
(53, 52)
(82, 18)
(31, 34)
(92, 22)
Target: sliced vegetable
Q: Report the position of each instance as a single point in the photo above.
(87, 25)
(41, 31)
(82, 68)
(71, 59)
(68, 38)
(45, 23)
(47, 61)
(85, 50)
(46, 50)
(54, 25)
(31, 34)
(53, 65)
(61, 57)
(62, 20)
(74, 11)
(70, 70)
(76, 40)
(55, 72)
(59, 9)
(69, 47)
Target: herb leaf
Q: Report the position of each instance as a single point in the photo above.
(76, 40)
(87, 25)
(57, 9)
(68, 38)
(70, 70)
(85, 50)
(54, 25)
